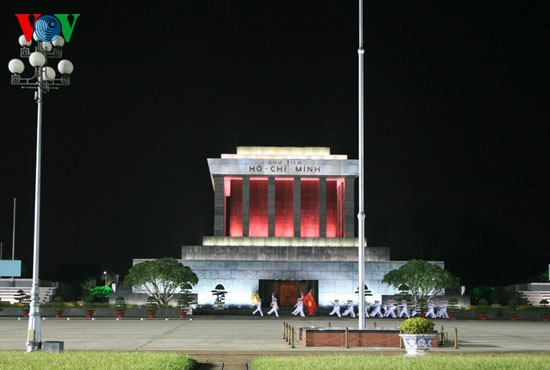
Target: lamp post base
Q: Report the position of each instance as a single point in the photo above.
(34, 346)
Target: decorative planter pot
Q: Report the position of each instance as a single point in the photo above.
(57, 313)
(513, 316)
(182, 314)
(89, 313)
(482, 315)
(119, 314)
(219, 305)
(25, 312)
(151, 314)
(452, 315)
(544, 316)
(417, 344)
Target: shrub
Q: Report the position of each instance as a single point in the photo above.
(183, 302)
(151, 304)
(453, 305)
(219, 292)
(100, 293)
(417, 325)
(513, 305)
(120, 303)
(58, 303)
(22, 297)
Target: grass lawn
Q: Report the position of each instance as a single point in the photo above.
(103, 360)
(500, 361)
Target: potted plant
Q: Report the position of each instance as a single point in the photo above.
(58, 305)
(513, 307)
(544, 312)
(151, 306)
(417, 334)
(219, 292)
(89, 307)
(182, 305)
(1, 305)
(120, 307)
(482, 309)
(452, 308)
(23, 300)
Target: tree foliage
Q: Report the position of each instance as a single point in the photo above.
(99, 294)
(161, 278)
(422, 279)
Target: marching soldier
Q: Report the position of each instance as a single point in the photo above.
(442, 311)
(430, 312)
(376, 309)
(366, 309)
(335, 308)
(416, 310)
(390, 309)
(258, 307)
(274, 306)
(299, 307)
(349, 310)
(404, 311)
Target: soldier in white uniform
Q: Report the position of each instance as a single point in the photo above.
(430, 312)
(349, 310)
(416, 310)
(404, 310)
(335, 308)
(299, 310)
(390, 309)
(376, 309)
(366, 309)
(274, 306)
(258, 308)
(442, 311)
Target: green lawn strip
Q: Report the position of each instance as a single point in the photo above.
(464, 361)
(103, 360)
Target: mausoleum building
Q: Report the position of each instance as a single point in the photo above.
(284, 222)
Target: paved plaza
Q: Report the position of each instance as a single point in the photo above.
(254, 335)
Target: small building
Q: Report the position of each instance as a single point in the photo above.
(285, 223)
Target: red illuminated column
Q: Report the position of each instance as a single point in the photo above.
(332, 209)
(258, 226)
(284, 207)
(234, 202)
(309, 208)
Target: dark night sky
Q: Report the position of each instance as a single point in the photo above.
(456, 137)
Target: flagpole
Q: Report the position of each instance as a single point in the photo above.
(13, 231)
(361, 214)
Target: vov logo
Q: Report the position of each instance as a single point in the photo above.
(47, 27)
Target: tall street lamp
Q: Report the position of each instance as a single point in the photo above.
(46, 47)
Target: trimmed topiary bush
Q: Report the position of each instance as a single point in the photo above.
(417, 325)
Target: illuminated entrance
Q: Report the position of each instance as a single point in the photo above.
(286, 291)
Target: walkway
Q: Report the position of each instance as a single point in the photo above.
(234, 341)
